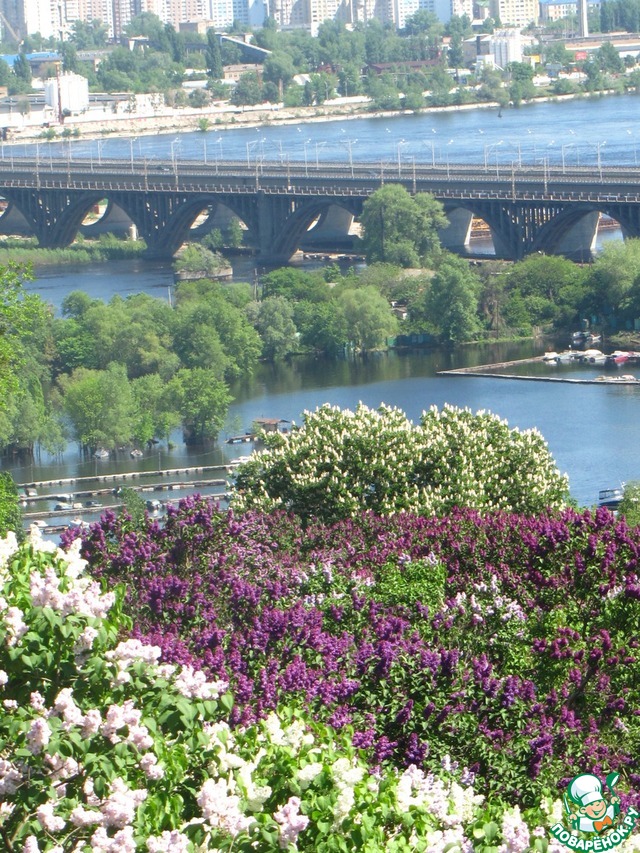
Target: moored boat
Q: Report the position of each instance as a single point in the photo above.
(610, 498)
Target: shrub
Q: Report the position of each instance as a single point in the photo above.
(509, 643)
(104, 749)
(340, 462)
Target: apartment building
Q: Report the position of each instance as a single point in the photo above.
(516, 13)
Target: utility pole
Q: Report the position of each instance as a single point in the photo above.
(583, 20)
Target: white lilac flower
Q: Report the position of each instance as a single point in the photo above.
(221, 809)
(194, 685)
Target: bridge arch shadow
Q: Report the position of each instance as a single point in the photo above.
(573, 232)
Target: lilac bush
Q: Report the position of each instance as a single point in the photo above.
(105, 750)
(507, 642)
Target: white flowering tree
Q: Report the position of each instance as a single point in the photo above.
(342, 462)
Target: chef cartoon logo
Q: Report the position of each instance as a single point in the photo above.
(594, 814)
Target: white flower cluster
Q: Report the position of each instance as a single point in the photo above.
(344, 462)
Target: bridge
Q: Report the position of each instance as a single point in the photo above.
(528, 209)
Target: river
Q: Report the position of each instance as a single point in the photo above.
(592, 431)
(580, 131)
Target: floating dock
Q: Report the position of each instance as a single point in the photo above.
(486, 370)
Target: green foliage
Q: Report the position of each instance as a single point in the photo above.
(20, 315)
(134, 507)
(10, 513)
(630, 505)
(248, 90)
(340, 462)
(196, 258)
(412, 581)
(273, 319)
(401, 229)
(202, 399)
(100, 406)
(368, 316)
(451, 302)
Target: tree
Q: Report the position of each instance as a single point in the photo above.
(213, 56)
(278, 68)
(10, 514)
(196, 259)
(399, 228)
(340, 463)
(22, 69)
(273, 319)
(20, 313)
(87, 35)
(452, 300)
(202, 399)
(100, 406)
(248, 90)
(368, 316)
(629, 506)
(609, 60)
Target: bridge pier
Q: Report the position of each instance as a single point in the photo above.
(579, 243)
(455, 236)
(332, 229)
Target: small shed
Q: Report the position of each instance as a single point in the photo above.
(271, 425)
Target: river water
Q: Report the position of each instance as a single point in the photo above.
(591, 430)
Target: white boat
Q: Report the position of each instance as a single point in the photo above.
(610, 498)
(593, 356)
(101, 453)
(136, 453)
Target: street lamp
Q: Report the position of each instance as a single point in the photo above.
(306, 165)
(399, 145)
(566, 147)
(430, 144)
(319, 145)
(174, 157)
(349, 143)
(487, 151)
(219, 153)
(131, 141)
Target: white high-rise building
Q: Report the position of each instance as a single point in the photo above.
(516, 13)
(41, 16)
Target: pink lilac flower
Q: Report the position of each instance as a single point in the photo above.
(48, 820)
(291, 823)
(62, 768)
(10, 778)
(92, 722)
(122, 842)
(193, 684)
(38, 735)
(150, 767)
(65, 704)
(120, 806)
(168, 842)
(3, 678)
(16, 627)
(85, 817)
(30, 845)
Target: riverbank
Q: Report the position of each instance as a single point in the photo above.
(225, 116)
